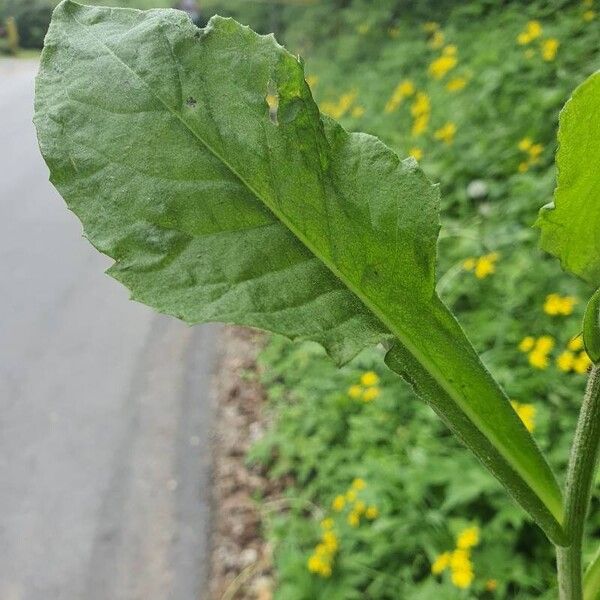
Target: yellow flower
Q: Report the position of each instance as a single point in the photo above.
(330, 541)
(441, 563)
(372, 513)
(456, 84)
(359, 484)
(462, 578)
(582, 363)
(460, 560)
(535, 150)
(549, 49)
(421, 106)
(468, 538)
(370, 394)
(534, 29)
(430, 26)
(575, 343)
(450, 50)
(406, 88)
(355, 391)
(565, 361)
(351, 495)
(314, 564)
(437, 40)
(420, 125)
(359, 507)
(325, 570)
(526, 413)
(369, 378)
(491, 585)
(555, 304)
(338, 503)
(523, 38)
(353, 519)
(312, 80)
(526, 344)
(358, 111)
(442, 65)
(416, 153)
(327, 523)
(469, 263)
(446, 133)
(486, 265)
(538, 359)
(545, 343)
(589, 15)
(525, 144)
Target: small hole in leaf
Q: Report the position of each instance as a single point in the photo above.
(272, 99)
(191, 102)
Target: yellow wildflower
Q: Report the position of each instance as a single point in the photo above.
(358, 111)
(338, 503)
(330, 541)
(441, 563)
(450, 50)
(565, 361)
(314, 564)
(355, 391)
(416, 153)
(575, 343)
(437, 40)
(421, 106)
(430, 26)
(534, 29)
(351, 495)
(369, 378)
(462, 578)
(372, 513)
(525, 144)
(582, 363)
(420, 125)
(535, 150)
(406, 88)
(468, 538)
(442, 65)
(370, 394)
(556, 304)
(469, 263)
(359, 484)
(446, 133)
(523, 38)
(460, 560)
(526, 344)
(456, 84)
(486, 265)
(549, 49)
(353, 519)
(359, 507)
(545, 343)
(491, 585)
(589, 15)
(327, 523)
(526, 413)
(538, 359)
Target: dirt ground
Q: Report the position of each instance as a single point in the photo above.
(241, 559)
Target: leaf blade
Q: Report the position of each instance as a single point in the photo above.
(297, 227)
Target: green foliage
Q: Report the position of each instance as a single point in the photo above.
(591, 327)
(570, 225)
(31, 18)
(349, 230)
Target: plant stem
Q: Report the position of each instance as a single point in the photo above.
(580, 476)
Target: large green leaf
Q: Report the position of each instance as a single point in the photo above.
(570, 226)
(159, 137)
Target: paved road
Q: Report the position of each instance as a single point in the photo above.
(104, 406)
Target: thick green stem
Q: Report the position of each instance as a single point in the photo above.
(580, 477)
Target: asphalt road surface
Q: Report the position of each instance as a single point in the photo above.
(105, 407)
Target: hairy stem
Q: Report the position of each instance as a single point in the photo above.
(580, 476)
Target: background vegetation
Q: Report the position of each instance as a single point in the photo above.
(384, 503)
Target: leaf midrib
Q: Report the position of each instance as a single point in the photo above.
(390, 323)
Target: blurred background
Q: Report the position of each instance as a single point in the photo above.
(358, 491)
